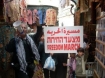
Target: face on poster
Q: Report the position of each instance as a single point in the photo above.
(63, 39)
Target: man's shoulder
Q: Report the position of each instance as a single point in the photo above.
(39, 27)
(12, 39)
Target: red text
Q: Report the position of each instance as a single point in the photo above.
(55, 47)
(72, 39)
(71, 46)
(54, 39)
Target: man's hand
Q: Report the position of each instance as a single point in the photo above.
(88, 45)
(64, 64)
(51, 54)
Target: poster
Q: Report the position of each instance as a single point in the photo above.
(63, 39)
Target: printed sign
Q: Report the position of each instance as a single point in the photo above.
(63, 39)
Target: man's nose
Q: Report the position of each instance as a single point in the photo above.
(23, 28)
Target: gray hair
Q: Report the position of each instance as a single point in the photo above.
(24, 23)
(29, 30)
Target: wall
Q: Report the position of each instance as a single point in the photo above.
(43, 2)
(65, 17)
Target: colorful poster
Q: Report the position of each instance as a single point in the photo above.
(63, 39)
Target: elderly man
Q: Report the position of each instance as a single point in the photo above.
(24, 53)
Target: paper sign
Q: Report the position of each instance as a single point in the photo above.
(63, 39)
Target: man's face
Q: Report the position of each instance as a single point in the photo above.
(72, 55)
(80, 53)
(24, 28)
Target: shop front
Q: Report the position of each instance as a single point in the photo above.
(14, 10)
(90, 14)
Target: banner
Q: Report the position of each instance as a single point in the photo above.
(63, 39)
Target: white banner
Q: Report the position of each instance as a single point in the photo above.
(63, 39)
